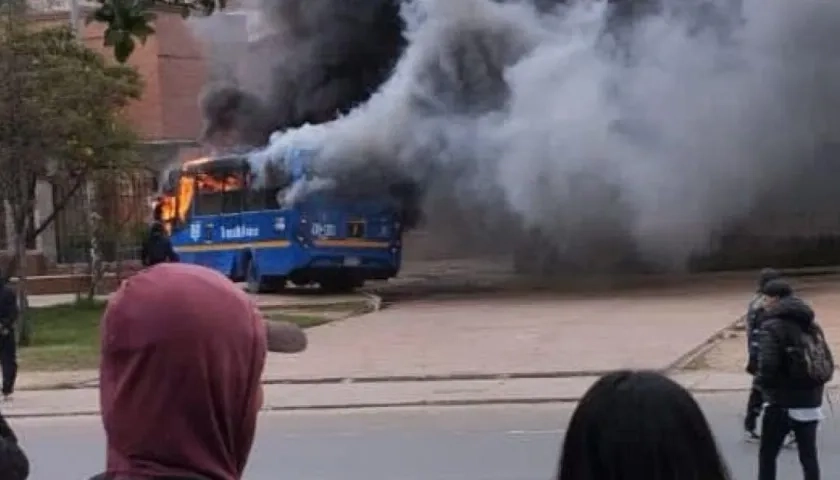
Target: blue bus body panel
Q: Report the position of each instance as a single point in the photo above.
(313, 235)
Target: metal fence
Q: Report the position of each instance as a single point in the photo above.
(123, 207)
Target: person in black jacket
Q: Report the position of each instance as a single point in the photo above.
(13, 462)
(157, 248)
(792, 404)
(755, 314)
(8, 347)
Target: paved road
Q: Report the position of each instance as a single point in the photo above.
(479, 443)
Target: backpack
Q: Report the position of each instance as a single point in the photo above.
(809, 358)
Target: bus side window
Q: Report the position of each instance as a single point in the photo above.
(233, 199)
(208, 201)
(254, 200)
(270, 198)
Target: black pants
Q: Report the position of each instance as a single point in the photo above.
(775, 426)
(8, 362)
(754, 405)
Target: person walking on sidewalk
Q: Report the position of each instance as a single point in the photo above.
(755, 314)
(794, 365)
(8, 347)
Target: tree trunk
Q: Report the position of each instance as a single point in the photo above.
(94, 256)
(25, 326)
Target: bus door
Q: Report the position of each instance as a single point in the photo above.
(207, 214)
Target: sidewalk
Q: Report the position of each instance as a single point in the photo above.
(517, 336)
(384, 394)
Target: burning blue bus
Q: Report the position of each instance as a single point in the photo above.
(223, 215)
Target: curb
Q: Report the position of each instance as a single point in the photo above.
(378, 379)
(563, 399)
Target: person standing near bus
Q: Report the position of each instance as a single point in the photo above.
(157, 248)
(8, 347)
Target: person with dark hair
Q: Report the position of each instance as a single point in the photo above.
(157, 248)
(13, 462)
(639, 425)
(183, 350)
(754, 316)
(8, 343)
(794, 365)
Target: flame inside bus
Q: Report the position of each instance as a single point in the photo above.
(174, 203)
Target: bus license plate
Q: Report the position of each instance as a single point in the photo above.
(352, 261)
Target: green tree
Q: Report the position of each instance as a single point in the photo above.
(130, 21)
(59, 122)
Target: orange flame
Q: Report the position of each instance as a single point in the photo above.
(174, 208)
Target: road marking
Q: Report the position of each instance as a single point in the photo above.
(534, 432)
(375, 431)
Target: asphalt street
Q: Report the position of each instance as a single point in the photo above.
(477, 443)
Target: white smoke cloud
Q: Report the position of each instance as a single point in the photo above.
(530, 117)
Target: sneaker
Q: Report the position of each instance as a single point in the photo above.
(751, 436)
(7, 397)
(790, 442)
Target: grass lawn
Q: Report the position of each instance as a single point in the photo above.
(66, 337)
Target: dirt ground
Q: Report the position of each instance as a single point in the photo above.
(728, 355)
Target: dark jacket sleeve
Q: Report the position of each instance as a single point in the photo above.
(753, 326)
(171, 254)
(144, 253)
(8, 307)
(769, 354)
(13, 461)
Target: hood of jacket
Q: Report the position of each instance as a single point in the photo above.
(767, 275)
(792, 309)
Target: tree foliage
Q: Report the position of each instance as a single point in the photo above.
(130, 21)
(60, 120)
(59, 107)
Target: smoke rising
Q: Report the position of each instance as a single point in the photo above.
(619, 136)
(310, 61)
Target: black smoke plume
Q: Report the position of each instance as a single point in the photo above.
(316, 60)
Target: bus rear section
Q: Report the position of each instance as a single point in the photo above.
(340, 245)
